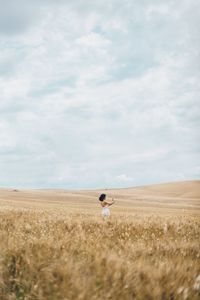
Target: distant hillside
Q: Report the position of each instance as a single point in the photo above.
(183, 189)
(176, 197)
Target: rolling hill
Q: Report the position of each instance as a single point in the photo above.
(176, 197)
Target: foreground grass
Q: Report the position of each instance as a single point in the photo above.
(55, 257)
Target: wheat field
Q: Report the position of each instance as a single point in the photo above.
(56, 246)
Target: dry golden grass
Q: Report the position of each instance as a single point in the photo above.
(55, 246)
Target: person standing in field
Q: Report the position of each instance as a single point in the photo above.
(105, 205)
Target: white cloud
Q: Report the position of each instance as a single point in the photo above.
(123, 178)
(88, 93)
(93, 40)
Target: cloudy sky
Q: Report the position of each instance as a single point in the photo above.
(99, 93)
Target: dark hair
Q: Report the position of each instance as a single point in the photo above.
(102, 197)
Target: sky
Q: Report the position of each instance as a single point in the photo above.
(99, 94)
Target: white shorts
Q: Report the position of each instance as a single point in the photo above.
(105, 212)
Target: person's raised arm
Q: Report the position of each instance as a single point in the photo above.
(110, 203)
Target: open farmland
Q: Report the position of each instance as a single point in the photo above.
(55, 245)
